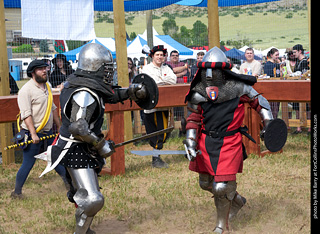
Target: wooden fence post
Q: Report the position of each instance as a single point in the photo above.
(6, 133)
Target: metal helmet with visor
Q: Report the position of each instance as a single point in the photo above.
(95, 59)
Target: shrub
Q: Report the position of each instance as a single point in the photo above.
(289, 15)
(235, 14)
(24, 48)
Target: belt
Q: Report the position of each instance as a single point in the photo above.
(215, 134)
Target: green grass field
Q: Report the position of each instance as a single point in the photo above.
(147, 200)
(272, 29)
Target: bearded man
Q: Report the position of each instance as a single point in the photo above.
(34, 105)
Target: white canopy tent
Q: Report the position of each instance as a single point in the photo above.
(256, 52)
(134, 50)
(281, 51)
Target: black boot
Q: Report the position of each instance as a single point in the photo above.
(157, 162)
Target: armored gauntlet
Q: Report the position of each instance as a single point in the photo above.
(80, 131)
(137, 92)
(191, 144)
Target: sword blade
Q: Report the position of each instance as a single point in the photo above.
(152, 152)
(167, 130)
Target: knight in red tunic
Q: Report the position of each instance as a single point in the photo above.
(214, 130)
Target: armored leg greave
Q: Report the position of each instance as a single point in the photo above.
(237, 203)
(206, 181)
(224, 193)
(228, 202)
(88, 197)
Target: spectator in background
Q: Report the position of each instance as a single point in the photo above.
(180, 69)
(157, 119)
(14, 89)
(251, 66)
(48, 61)
(291, 61)
(200, 56)
(61, 71)
(194, 68)
(302, 66)
(234, 68)
(273, 69)
(165, 60)
(302, 62)
(33, 103)
(131, 69)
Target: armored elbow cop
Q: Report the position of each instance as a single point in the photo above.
(80, 131)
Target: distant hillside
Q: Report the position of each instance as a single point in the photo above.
(281, 23)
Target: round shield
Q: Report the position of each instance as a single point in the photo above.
(275, 135)
(152, 91)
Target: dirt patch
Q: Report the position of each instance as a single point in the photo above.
(112, 226)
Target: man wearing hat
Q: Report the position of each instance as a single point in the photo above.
(37, 116)
(157, 119)
(302, 61)
(62, 70)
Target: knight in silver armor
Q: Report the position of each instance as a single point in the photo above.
(215, 101)
(81, 146)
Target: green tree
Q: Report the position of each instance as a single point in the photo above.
(133, 35)
(199, 27)
(75, 44)
(184, 37)
(169, 27)
(200, 34)
(44, 46)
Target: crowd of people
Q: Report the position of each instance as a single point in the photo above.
(84, 93)
(293, 63)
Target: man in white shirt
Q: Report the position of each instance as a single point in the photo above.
(251, 66)
(157, 119)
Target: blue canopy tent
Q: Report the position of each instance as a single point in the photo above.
(107, 5)
(221, 3)
(238, 54)
(72, 54)
(143, 5)
(109, 43)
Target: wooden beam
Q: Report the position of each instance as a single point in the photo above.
(122, 62)
(121, 42)
(213, 24)
(149, 31)
(5, 128)
(173, 95)
(285, 90)
(122, 68)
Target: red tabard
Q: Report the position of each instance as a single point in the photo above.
(220, 157)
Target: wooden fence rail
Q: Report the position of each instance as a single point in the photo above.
(172, 96)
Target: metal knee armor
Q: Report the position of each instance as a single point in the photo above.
(88, 197)
(205, 182)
